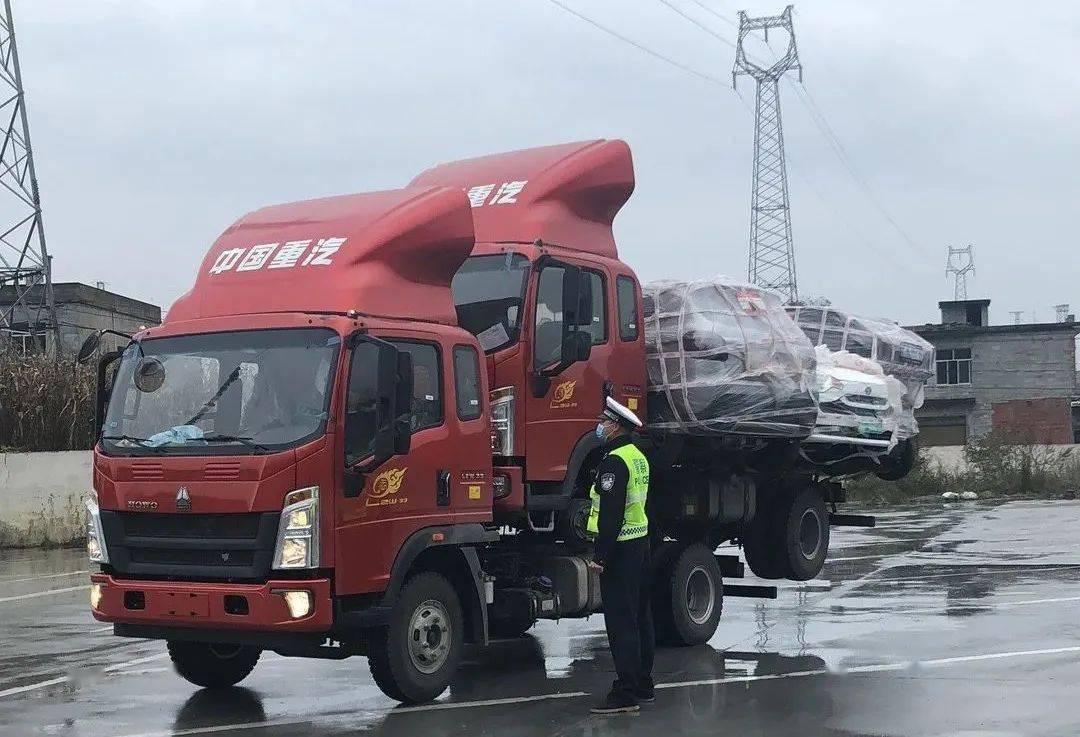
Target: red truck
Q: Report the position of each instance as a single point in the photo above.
(368, 427)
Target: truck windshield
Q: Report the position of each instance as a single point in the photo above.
(252, 391)
(489, 292)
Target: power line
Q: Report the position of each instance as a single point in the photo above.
(715, 13)
(697, 23)
(640, 47)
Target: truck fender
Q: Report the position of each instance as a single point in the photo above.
(457, 559)
(586, 445)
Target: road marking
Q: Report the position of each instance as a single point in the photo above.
(961, 603)
(64, 679)
(873, 668)
(50, 592)
(38, 578)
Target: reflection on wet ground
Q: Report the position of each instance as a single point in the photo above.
(943, 620)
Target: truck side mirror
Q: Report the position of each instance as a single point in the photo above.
(577, 346)
(403, 403)
(93, 340)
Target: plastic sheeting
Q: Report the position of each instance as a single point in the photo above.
(899, 352)
(856, 399)
(723, 357)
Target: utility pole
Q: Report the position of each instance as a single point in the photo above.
(25, 266)
(961, 261)
(772, 252)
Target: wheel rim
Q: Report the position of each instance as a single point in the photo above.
(429, 636)
(579, 522)
(224, 652)
(700, 595)
(809, 534)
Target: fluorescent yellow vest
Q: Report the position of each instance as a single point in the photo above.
(635, 523)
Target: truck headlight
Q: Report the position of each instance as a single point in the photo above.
(95, 538)
(502, 421)
(298, 530)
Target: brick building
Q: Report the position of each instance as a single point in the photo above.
(1022, 378)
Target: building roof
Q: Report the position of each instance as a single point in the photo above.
(961, 329)
(65, 293)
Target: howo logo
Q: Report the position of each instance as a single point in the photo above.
(385, 487)
(563, 395)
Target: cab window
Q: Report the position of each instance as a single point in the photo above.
(427, 407)
(467, 382)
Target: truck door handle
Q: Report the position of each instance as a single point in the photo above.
(442, 488)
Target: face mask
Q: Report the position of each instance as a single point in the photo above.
(600, 430)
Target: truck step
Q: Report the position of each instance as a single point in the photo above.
(852, 520)
(750, 592)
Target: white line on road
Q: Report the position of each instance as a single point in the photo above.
(64, 679)
(50, 592)
(875, 668)
(38, 578)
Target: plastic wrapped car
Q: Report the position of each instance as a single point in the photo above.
(724, 358)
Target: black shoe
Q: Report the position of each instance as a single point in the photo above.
(615, 704)
(646, 696)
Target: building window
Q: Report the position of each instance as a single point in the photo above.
(953, 366)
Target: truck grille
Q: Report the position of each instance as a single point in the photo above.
(234, 547)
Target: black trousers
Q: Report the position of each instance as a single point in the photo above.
(625, 587)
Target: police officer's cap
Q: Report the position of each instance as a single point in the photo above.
(620, 414)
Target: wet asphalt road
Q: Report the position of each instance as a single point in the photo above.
(957, 620)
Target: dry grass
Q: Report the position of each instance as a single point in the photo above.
(45, 404)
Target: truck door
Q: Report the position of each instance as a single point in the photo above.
(560, 408)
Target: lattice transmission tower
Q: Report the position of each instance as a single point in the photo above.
(772, 251)
(26, 300)
(961, 261)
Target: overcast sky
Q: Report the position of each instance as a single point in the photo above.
(156, 124)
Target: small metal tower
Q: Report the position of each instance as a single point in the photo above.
(961, 261)
(772, 252)
(1017, 315)
(1062, 312)
(28, 315)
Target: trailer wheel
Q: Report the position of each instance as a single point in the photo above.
(900, 460)
(212, 665)
(688, 595)
(806, 535)
(413, 659)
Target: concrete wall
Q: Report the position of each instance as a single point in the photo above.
(951, 457)
(41, 497)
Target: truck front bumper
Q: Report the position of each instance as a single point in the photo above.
(213, 606)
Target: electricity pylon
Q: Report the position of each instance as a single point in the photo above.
(25, 269)
(772, 251)
(961, 261)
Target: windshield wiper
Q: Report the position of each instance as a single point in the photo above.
(235, 439)
(140, 442)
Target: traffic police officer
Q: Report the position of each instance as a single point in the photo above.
(621, 554)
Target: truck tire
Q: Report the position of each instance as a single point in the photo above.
(212, 665)
(761, 544)
(413, 658)
(688, 595)
(806, 534)
(572, 523)
(900, 460)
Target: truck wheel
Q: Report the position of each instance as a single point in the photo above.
(900, 460)
(212, 665)
(572, 524)
(806, 535)
(413, 658)
(688, 596)
(762, 545)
